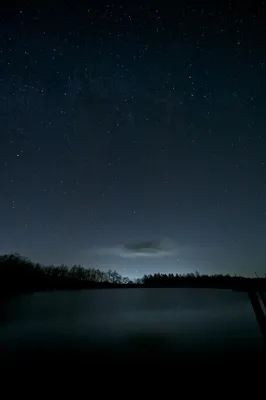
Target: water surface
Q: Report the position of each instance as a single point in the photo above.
(119, 324)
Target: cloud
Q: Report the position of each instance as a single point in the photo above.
(152, 248)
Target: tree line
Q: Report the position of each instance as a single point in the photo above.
(19, 274)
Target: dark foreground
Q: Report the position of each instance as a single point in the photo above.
(185, 328)
(149, 352)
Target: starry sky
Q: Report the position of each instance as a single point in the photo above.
(133, 137)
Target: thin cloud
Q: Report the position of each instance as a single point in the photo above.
(151, 248)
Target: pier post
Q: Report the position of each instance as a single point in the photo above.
(261, 319)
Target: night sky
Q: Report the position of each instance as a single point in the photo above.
(122, 125)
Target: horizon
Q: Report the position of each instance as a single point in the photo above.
(133, 277)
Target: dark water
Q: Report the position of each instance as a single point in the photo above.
(140, 324)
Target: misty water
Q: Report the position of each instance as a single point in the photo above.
(121, 323)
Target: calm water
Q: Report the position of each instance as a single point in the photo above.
(144, 323)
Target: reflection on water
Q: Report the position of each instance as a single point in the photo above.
(150, 322)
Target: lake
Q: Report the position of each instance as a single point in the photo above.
(125, 324)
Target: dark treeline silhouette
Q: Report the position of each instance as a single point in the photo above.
(18, 274)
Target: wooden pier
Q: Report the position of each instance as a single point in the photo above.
(255, 298)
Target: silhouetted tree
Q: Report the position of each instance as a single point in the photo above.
(19, 274)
